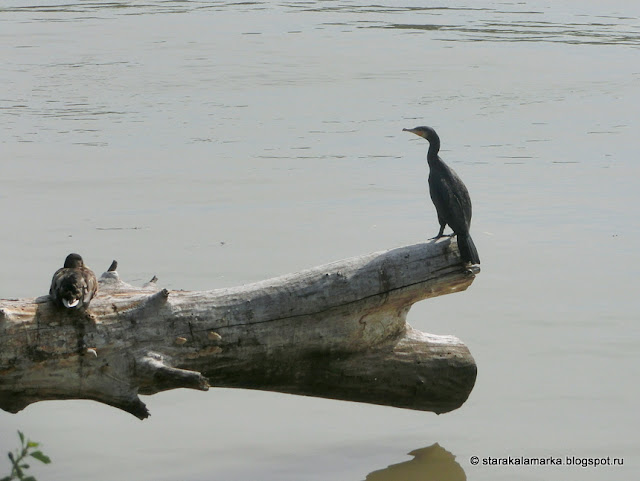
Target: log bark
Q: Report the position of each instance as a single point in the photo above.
(335, 331)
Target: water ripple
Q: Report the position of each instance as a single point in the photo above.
(530, 31)
(496, 22)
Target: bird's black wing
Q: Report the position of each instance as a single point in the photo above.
(451, 199)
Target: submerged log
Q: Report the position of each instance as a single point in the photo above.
(336, 331)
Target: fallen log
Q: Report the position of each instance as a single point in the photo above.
(335, 331)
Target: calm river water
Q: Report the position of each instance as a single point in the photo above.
(218, 143)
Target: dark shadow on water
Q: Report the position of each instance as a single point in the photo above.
(433, 463)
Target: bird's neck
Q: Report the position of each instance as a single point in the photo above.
(432, 155)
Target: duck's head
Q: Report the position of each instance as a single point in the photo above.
(73, 261)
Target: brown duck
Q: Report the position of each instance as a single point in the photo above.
(74, 285)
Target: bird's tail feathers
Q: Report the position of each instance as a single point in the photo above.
(467, 248)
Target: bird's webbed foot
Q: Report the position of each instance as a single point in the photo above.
(441, 233)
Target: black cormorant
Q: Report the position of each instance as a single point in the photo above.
(450, 196)
(74, 285)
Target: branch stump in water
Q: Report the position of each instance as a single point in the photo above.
(335, 331)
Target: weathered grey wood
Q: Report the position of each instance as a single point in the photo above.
(335, 331)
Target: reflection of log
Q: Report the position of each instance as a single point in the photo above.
(335, 331)
(433, 463)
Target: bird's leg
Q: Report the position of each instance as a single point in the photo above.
(440, 234)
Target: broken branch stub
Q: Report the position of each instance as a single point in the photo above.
(336, 331)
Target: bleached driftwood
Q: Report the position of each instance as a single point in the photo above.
(335, 331)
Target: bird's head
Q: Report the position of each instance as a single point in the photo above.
(73, 261)
(424, 132)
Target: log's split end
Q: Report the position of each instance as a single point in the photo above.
(156, 375)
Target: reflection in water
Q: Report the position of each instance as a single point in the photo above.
(433, 463)
(495, 22)
(501, 30)
(105, 8)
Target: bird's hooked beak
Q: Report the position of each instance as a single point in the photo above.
(419, 133)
